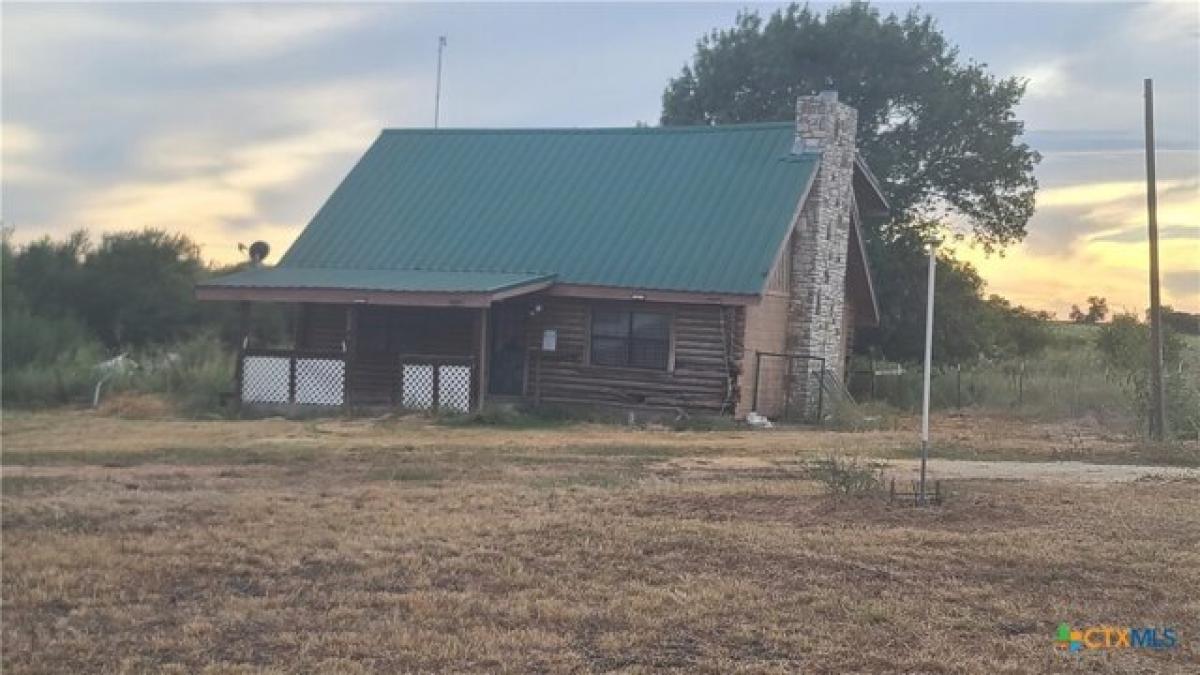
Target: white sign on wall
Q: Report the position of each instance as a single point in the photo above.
(550, 339)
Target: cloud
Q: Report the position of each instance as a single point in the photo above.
(1090, 239)
(17, 140)
(1115, 270)
(1046, 79)
(46, 37)
(1090, 193)
(19, 146)
(1183, 286)
(1165, 21)
(231, 34)
(234, 122)
(1139, 235)
(206, 194)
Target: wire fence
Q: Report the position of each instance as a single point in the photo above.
(1067, 389)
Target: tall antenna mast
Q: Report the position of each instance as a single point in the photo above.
(437, 95)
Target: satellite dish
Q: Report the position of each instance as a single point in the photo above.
(259, 251)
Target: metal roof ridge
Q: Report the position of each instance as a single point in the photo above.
(695, 128)
(408, 269)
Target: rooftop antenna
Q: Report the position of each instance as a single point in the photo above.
(437, 95)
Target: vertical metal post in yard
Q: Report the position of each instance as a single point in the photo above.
(928, 365)
(1158, 391)
(958, 386)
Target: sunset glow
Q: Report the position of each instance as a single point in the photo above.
(235, 122)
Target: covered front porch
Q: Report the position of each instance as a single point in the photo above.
(417, 358)
(442, 341)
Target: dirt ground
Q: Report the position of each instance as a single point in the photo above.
(390, 545)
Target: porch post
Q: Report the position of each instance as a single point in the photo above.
(350, 351)
(243, 339)
(483, 356)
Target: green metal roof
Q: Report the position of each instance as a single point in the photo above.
(416, 281)
(702, 209)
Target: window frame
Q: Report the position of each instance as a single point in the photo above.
(629, 339)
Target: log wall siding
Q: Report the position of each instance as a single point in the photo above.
(703, 377)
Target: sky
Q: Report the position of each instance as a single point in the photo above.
(234, 122)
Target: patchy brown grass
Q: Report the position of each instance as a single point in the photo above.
(394, 545)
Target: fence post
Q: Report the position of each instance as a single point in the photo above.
(243, 342)
(435, 396)
(292, 378)
(958, 386)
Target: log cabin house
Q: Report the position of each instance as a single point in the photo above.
(715, 269)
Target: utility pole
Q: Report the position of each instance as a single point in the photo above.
(928, 366)
(437, 94)
(1158, 390)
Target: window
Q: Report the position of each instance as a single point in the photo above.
(631, 339)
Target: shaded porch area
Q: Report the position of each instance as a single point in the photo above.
(417, 358)
(414, 339)
(347, 355)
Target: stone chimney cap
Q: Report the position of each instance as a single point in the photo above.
(829, 95)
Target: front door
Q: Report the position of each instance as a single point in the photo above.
(506, 372)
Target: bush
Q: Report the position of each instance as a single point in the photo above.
(847, 476)
(68, 379)
(28, 338)
(1068, 380)
(846, 415)
(1124, 344)
(195, 374)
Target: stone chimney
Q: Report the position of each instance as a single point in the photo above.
(820, 242)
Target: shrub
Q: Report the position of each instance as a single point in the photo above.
(67, 379)
(1124, 344)
(195, 373)
(849, 476)
(846, 415)
(29, 338)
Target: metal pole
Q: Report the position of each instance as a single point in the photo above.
(437, 96)
(928, 364)
(1158, 391)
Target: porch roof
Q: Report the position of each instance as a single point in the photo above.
(374, 286)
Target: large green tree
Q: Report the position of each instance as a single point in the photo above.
(939, 131)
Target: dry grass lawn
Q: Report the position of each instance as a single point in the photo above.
(390, 546)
